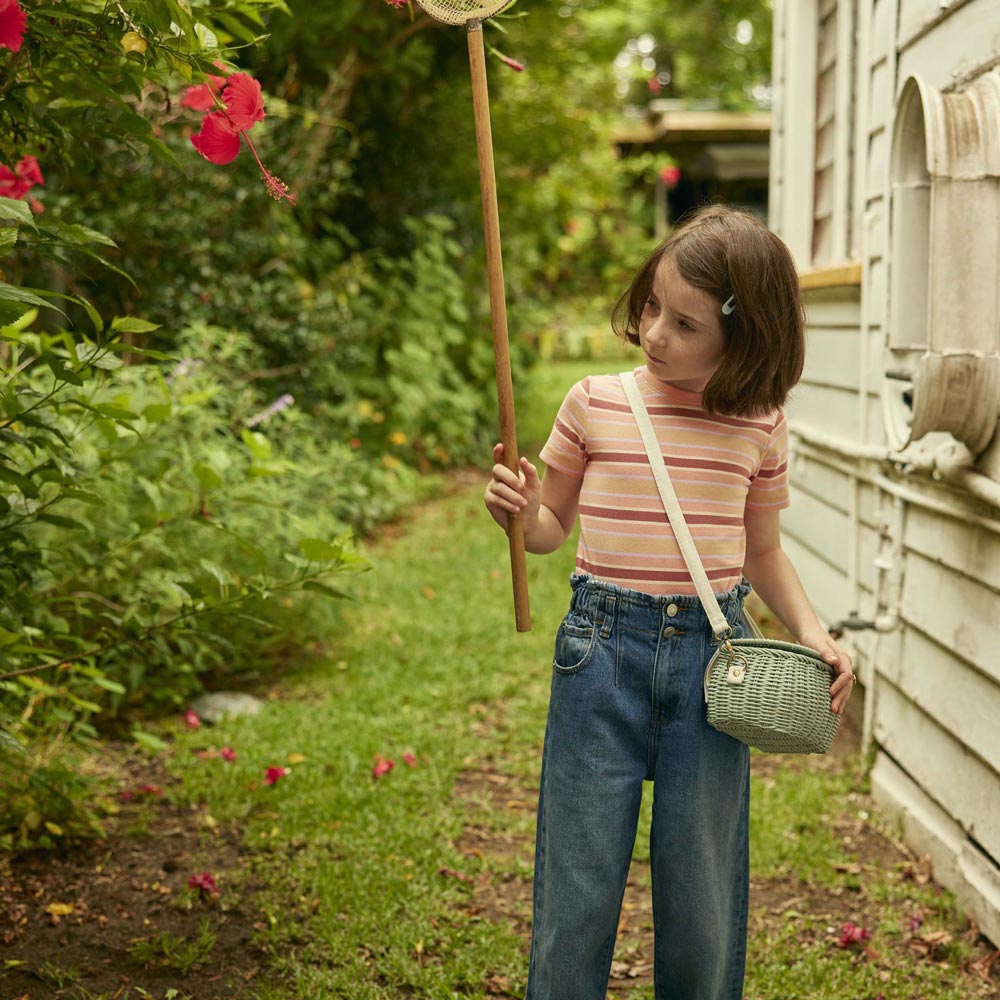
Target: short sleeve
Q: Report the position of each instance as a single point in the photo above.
(769, 484)
(566, 448)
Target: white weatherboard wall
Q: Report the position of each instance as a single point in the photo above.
(867, 531)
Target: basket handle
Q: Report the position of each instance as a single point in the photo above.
(720, 627)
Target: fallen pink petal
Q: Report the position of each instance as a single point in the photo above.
(383, 765)
(461, 876)
(409, 760)
(204, 884)
(274, 774)
(191, 719)
(851, 933)
(228, 754)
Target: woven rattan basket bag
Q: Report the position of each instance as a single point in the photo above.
(773, 695)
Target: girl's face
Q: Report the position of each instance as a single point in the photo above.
(681, 331)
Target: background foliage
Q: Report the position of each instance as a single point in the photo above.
(205, 394)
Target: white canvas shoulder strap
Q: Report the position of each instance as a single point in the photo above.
(720, 627)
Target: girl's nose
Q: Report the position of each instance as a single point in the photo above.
(657, 332)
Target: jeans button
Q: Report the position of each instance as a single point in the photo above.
(671, 610)
(669, 631)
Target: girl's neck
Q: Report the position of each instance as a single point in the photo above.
(680, 395)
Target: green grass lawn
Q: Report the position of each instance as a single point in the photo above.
(368, 885)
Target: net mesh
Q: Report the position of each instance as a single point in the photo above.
(461, 11)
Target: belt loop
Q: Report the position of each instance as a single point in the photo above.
(607, 615)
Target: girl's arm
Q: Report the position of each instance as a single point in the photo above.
(773, 576)
(547, 508)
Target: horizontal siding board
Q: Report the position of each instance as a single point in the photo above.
(832, 357)
(959, 865)
(826, 145)
(914, 16)
(877, 167)
(822, 480)
(956, 697)
(830, 308)
(953, 610)
(966, 41)
(965, 548)
(868, 550)
(818, 525)
(826, 584)
(881, 31)
(954, 777)
(874, 277)
(835, 410)
(879, 95)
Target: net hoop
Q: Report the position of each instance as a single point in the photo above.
(462, 11)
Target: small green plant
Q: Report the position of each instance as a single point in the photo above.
(58, 976)
(47, 803)
(172, 952)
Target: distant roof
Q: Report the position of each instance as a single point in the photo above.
(667, 123)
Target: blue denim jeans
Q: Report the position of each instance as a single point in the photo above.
(627, 706)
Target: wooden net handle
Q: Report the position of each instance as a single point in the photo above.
(498, 309)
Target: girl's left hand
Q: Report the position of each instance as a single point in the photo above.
(843, 685)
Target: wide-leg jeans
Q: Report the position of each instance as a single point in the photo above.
(627, 706)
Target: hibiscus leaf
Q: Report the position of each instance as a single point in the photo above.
(11, 208)
(132, 324)
(322, 588)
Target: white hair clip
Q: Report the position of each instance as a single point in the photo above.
(729, 305)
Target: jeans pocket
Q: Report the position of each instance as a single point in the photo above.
(575, 643)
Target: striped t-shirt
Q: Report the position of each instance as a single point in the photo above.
(719, 465)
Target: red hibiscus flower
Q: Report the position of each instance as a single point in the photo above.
(202, 96)
(244, 102)
(217, 140)
(670, 176)
(219, 137)
(12, 22)
(18, 182)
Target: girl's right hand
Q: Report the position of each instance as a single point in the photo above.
(508, 493)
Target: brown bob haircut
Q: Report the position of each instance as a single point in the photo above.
(728, 252)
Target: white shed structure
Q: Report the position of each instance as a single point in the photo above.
(885, 183)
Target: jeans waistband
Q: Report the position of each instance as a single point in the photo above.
(605, 602)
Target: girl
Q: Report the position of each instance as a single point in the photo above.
(716, 311)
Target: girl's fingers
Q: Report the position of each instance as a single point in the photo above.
(509, 497)
(501, 474)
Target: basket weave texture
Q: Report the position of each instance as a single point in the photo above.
(782, 704)
(463, 11)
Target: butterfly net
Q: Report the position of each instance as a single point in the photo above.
(461, 11)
